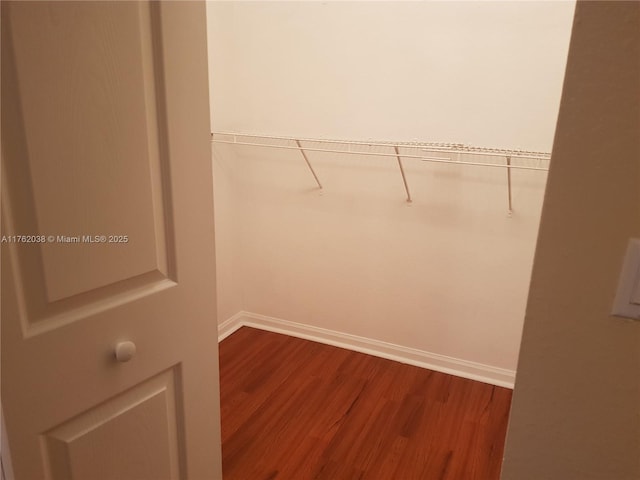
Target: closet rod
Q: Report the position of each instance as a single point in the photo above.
(327, 150)
(376, 154)
(425, 146)
(488, 153)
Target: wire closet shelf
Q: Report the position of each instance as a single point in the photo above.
(433, 152)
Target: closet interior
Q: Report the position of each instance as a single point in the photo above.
(379, 170)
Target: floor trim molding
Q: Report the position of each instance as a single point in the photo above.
(433, 361)
(230, 325)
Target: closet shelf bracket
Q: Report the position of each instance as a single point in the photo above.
(509, 184)
(313, 172)
(404, 178)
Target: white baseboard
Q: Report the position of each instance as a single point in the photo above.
(230, 325)
(432, 361)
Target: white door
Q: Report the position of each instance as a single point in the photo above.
(107, 224)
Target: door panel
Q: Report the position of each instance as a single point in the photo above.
(145, 416)
(105, 129)
(95, 118)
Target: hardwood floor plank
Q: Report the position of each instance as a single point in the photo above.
(294, 409)
(386, 464)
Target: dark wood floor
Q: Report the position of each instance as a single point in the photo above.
(294, 410)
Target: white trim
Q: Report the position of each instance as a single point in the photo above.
(230, 325)
(433, 361)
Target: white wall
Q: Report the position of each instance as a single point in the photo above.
(447, 275)
(228, 252)
(484, 73)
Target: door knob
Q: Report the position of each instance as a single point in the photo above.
(125, 351)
